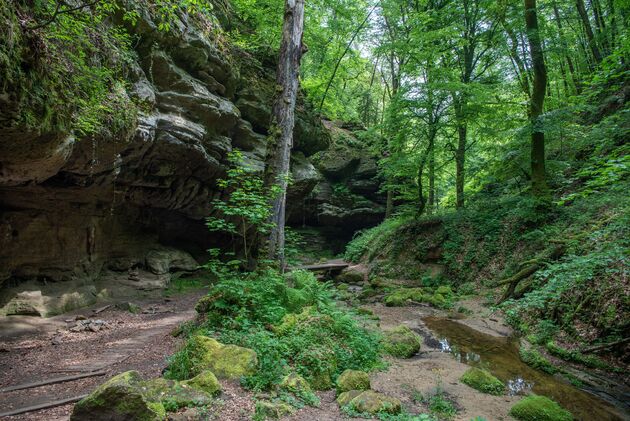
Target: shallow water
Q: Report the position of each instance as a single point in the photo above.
(500, 357)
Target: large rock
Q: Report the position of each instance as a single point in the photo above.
(353, 380)
(75, 207)
(225, 361)
(402, 342)
(369, 402)
(121, 398)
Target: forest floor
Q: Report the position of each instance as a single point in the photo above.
(36, 349)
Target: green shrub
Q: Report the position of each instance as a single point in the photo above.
(577, 357)
(483, 381)
(539, 408)
(292, 324)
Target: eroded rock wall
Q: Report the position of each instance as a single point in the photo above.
(95, 211)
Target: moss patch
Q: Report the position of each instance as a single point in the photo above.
(205, 381)
(273, 410)
(121, 397)
(536, 360)
(353, 380)
(483, 381)
(371, 402)
(539, 408)
(401, 342)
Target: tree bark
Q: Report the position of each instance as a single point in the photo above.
(283, 121)
(565, 49)
(539, 185)
(460, 153)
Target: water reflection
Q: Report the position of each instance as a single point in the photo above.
(500, 357)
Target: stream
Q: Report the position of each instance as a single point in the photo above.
(500, 356)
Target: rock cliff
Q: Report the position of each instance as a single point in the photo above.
(82, 216)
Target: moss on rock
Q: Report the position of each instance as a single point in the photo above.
(173, 394)
(119, 398)
(403, 296)
(225, 361)
(273, 410)
(353, 380)
(206, 382)
(536, 360)
(539, 408)
(483, 381)
(369, 402)
(296, 384)
(401, 342)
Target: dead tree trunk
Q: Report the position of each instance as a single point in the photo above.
(539, 184)
(283, 120)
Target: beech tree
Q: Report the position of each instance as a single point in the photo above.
(280, 140)
(539, 185)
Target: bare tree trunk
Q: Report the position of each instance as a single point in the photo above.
(539, 185)
(283, 120)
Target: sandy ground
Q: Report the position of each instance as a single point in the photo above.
(423, 373)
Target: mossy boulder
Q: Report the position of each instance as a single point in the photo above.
(120, 398)
(483, 381)
(296, 384)
(173, 394)
(404, 296)
(353, 380)
(401, 342)
(206, 382)
(539, 408)
(273, 410)
(225, 361)
(353, 275)
(344, 398)
(372, 402)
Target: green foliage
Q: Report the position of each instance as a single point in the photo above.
(68, 75)
(576, 356)
(308, 335)
(245, 212)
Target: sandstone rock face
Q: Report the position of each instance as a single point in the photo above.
(346, 195)
(86, 209)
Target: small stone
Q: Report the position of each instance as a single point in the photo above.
(56, 340)
(94, 327)
(80, 317)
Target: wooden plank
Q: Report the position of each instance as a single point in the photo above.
(51, 381)
(41, 406)
(326, 266)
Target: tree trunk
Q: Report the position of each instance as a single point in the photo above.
(539, 185)
(431, 181)
(565, 49)
(283, 120)
(460, 153)
(589, 30)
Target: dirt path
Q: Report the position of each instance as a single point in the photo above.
(34, 350)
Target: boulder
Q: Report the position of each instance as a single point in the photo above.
(206, 382)
(173, 394)
(346, 397)
(356, 274)
(539, 408)
(225, 361)
(121, 398)
(353, 380)
(483, 381)
(296, 384)
(164, 261)
(273, 410)
(402, 342)
(371, 402)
